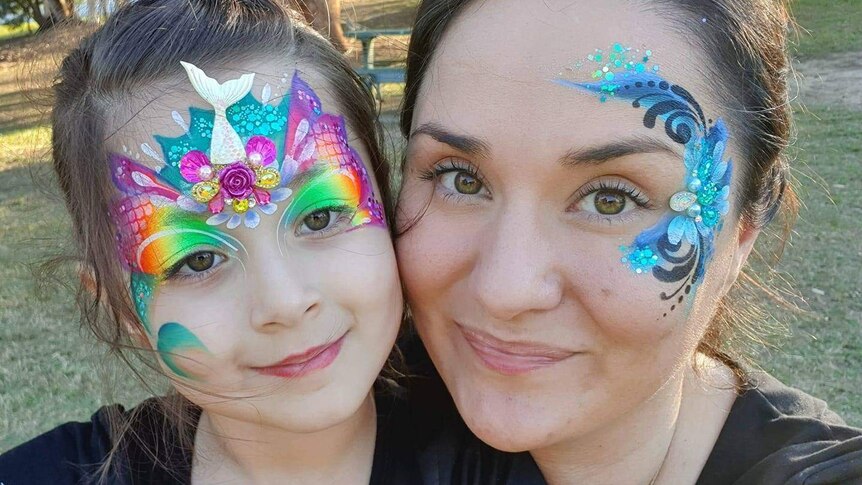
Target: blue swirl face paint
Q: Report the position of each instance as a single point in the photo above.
(678, 248)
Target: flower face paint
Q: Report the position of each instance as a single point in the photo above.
(232, 165)
(680, 245)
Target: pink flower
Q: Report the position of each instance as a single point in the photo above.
(237, 180)
(260, 151)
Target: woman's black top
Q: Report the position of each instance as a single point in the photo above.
(72, 453)
(774, 434)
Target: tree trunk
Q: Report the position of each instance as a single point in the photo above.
(325, 17)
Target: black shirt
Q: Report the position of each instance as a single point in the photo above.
(72, 452)
(774, 434)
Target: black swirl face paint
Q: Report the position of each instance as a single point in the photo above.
(677, 249)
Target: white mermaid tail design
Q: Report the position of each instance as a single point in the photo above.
(226, 146)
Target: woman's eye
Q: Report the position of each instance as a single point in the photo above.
(461, 182)
(607, 202)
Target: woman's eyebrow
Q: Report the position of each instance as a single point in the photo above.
(597, 154)
(467, 144)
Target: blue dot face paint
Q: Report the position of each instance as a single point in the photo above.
(677, 249)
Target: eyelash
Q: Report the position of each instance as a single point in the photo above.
(633, 193)
(344, 214)
(173, 273)
(452, 165)
(617, 185)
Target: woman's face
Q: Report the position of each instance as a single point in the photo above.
(275, 301)
(554, 283)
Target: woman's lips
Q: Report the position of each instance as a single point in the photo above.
(512, 358)
(303, 363)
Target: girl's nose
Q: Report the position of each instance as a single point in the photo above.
(282, 294)
(515, 271)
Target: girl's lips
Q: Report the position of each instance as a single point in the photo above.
(512, 358)
(305, 362)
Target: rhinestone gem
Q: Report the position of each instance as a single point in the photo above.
(268, 178)
(204, 192)
(240, 206)
(681, 201)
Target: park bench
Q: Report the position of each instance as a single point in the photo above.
(374, 75)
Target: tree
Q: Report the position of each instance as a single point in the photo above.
(46, 13)
(325, 17)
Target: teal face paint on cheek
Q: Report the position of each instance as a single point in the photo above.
(176, 344)
(143, 286)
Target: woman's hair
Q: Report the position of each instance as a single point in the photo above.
(141, 45)
(746, 42)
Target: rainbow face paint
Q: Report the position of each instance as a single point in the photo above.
(233, 164)
(679, 246)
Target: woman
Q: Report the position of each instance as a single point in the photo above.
(584, 182)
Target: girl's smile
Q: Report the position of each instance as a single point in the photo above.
(305, 362)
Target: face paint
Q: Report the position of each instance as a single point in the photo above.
(679, 246)
(232, 164)
(178, 347)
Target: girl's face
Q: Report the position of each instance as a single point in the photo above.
(558, 271)
(260, 264)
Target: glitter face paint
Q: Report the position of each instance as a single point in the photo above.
(678, 248)
(232, 164)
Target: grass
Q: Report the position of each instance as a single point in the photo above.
(14, 31)
(52, 372)
(832, 27)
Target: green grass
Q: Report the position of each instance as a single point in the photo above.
(13, 31)
(824, 354)
(833, 26)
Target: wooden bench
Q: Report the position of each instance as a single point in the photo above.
(373, 75)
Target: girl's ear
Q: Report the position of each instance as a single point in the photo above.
(135, 330)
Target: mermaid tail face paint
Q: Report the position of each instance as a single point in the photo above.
(234, 165)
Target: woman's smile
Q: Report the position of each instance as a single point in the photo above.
(512, 357)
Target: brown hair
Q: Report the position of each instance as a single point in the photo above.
(142, 43)
(747, 43)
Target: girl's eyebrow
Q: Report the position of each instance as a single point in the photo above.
(594, 155)
(469, 145)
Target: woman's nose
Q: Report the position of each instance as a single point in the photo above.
(515, 271)
(283, 294)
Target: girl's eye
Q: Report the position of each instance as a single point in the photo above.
(196, 264)
(325, 222)
(317, 221)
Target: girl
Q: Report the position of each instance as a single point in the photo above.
(583, 183)
(223, 170)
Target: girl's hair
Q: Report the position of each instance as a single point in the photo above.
(140, 45)
(746, 42)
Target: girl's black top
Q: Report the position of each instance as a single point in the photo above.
(71, 453)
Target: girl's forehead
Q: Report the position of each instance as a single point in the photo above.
(165, 108)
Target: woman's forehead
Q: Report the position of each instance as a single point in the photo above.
(501, 62)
